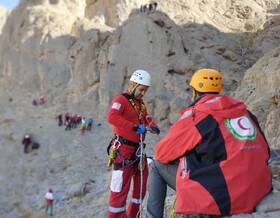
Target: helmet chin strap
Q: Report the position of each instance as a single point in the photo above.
(133, 90)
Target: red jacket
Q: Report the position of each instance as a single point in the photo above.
(123, 117)
(49, 198)
(223, 155)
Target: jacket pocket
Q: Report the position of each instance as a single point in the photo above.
(116, 181)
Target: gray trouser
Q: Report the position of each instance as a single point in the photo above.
(51, 207)
(160, 175)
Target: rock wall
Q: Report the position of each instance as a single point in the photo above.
(3, 17)
(59, 48)
(260, 89)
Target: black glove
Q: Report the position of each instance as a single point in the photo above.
(155, 130)
(140, 129)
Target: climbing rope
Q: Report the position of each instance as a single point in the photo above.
(149, 121)
(172, 213)
(141, 175)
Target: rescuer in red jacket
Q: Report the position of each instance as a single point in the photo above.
(215, 156)
(130, 120)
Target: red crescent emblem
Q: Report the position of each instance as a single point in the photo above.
(240, 125)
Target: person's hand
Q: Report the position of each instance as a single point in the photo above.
(155, 130)
(140, 129)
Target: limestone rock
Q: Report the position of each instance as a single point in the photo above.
(111, 12)
(260, 90)
(3, 18)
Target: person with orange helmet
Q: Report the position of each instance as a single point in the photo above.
(129, 117)
(215, 156)
(49, 201)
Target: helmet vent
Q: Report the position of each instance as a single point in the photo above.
(207, 80)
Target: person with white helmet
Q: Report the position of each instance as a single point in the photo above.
(26, 142)
(130, 120)
(215, 156)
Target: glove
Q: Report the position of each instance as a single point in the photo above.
(155, 130)
(140, 129)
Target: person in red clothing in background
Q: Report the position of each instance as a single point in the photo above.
(49, 201)
(42, 100)
(130, 120)
(215, 156)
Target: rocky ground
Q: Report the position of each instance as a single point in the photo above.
(72, 164)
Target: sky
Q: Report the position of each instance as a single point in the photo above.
(9, 4)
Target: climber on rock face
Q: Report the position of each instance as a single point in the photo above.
(148, 7)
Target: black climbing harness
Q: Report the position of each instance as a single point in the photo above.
(142, 106)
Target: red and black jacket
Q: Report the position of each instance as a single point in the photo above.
(223, 155)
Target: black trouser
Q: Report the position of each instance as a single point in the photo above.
(26, 147)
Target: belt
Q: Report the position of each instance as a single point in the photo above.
(122, 140)
(126, 163)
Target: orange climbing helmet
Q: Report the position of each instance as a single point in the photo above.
(207, 80)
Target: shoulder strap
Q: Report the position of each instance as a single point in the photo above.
(128, 96)
(130, 99)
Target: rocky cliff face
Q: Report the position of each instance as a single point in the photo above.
(80, 54)
(86, 51)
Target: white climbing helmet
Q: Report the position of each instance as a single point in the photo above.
(141, 77)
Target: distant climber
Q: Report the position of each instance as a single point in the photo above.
(153, 6)
(78, 120)
(60, 121)
(68, 123)
(26, 142)
(34, 103)
(142, 8)
(42, 100)
(89, 124)
(148, 7)
(29, 143)
(66, 117)
(75, 120)
(83, 126)
(49, 201)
